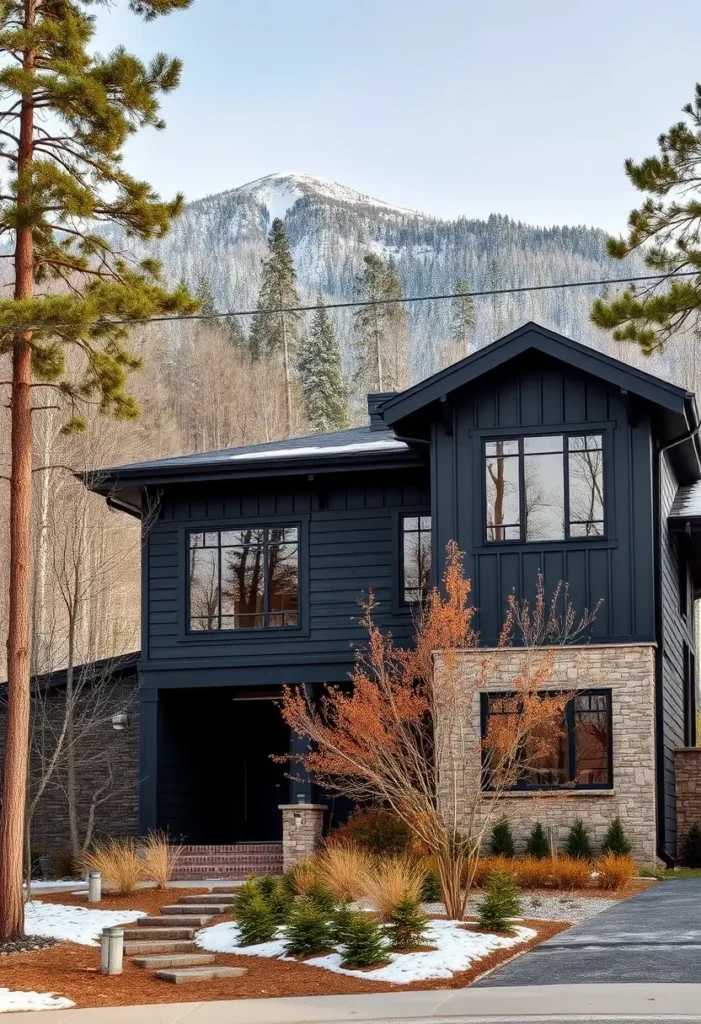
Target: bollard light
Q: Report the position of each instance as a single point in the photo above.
(94, 887)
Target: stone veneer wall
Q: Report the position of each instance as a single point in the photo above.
(628, 671)
(302, 831)
(687, 771)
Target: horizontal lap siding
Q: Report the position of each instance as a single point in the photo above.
(352, 547)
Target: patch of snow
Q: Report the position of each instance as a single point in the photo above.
(335, 449)
(456, 948)
(73, 924)
(59, 883)
(11, 1001)
(281, 191)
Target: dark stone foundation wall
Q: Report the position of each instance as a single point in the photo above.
(118, 816)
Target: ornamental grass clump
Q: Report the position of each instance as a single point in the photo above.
(159, 859)
(614, 871)
(302, 877)
(407, 926)
(256, 920)
(534, 872)
(578, 843)
(118, 861)
(343, 871)
(364, 944)
(487, 866)
(615, 840)
(394, 880)
(308, 930)
(537, 845)
(571, 872)
(501, 903)
(502, 841)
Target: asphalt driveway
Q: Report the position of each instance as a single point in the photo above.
(653, 937)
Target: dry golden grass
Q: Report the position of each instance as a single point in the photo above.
(159, 859)
(304, 875)
(571, 872)
(344, 871)
(487, 865)
(393, 880)
(118, 861)
(534, 873)
(615, 871)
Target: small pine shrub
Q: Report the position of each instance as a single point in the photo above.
(614, 871)
(364, 945)
(615, 840)
(691, 848)
(244, 895)
(431, 890)
(407, 926)
(502, 844)
(501, 903)
(538, 845)
(266, 885)
(322, 898)
(340, 922)
(308, 930)
(281, 901)
(376, 830)
(578, 843)
(256, 921)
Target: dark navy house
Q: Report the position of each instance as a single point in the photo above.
(536, 454)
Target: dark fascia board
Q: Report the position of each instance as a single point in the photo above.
(117, 666)
(111, 480)
(533, 336)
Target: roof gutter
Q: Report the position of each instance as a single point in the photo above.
(692, 434)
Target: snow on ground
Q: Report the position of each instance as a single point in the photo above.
(456, 948)
(10, 1001)
(59, 883)
(73, 924)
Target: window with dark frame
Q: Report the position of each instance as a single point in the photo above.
(579, 754)
(542, 488)
(247, 578)
(416, 557)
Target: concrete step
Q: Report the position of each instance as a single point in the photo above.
(152, 963)
(185, 975)
(158, 934)
(216, 898)
(224, 890)
(179, 920)
(186, 909)
(146, 948)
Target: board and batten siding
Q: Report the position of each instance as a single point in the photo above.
(677, 637)
(617, 570)
(349, 533)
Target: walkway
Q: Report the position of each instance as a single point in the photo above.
(517, 1005)
(653, 937)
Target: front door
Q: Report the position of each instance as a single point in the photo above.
(261, 783)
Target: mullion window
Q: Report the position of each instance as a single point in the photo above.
(244, 578)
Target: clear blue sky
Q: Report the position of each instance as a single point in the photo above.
(449, 106)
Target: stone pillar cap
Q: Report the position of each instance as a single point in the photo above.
(302, 807)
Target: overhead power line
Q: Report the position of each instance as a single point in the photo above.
(356, 303)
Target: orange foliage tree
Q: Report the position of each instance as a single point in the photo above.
(403, 735)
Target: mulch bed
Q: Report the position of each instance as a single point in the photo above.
(73, 971)
(149, 900)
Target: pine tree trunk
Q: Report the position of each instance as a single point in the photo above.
(288, 385)
(71, 793)
(12, 821)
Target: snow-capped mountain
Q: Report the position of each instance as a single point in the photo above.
(331, 227)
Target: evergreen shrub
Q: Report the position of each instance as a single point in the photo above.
(364, 945)
(407, 926)
(615, 840)
(578, 843)
(538, 845)
(431, 889)
(256, 920)
(374, 829)
(502, 843)
(691, 847)
(308, 930)
(501, 903)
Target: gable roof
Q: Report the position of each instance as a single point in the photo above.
(534, 337)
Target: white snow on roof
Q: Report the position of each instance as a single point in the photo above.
(335, 449)
(687, 501)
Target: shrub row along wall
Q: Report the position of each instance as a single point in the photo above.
(628, 672)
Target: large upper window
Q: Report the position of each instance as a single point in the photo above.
(416, 557)
(576, 755)
(544, 488)
(245, 578)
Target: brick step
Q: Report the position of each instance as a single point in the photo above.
(158, 934)
(185, 975)
(180, 909)
(174, 946)
(225, 874)
(180, 920)
(152, 963)
(227, 858)
(216, 898)
(230, 848)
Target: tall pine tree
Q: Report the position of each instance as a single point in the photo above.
(277, 332)
(463, 310)
(320, 378)
(228, 325)
(666, 229)
(66, 114)
(382, 341)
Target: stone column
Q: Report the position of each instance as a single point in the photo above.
(687, 773)
(302, 827)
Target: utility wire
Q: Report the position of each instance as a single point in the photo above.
(372, 302)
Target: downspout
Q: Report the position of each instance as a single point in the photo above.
(659, 451)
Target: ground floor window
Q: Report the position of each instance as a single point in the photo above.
(578, 755)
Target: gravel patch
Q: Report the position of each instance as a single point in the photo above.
(546, 906)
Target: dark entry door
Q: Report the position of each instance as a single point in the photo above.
(260, 783)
